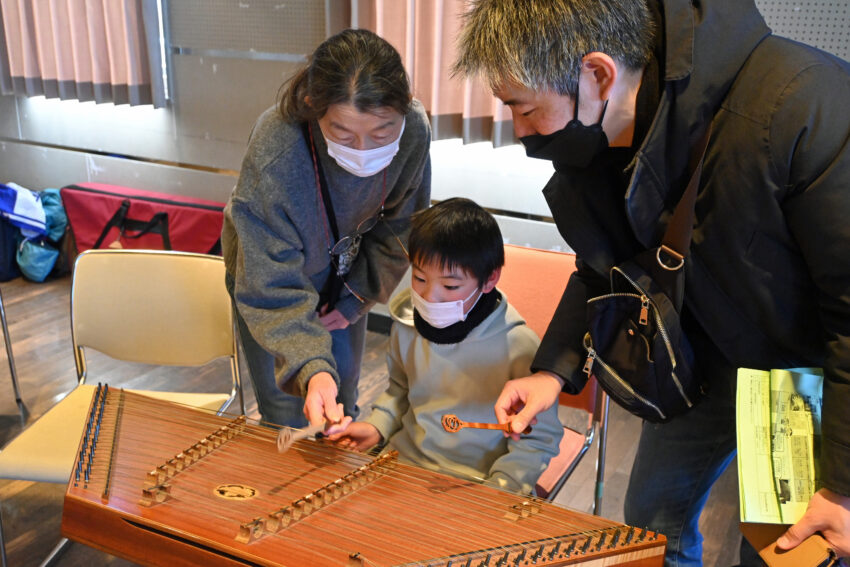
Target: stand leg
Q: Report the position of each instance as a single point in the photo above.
(11, 357)
(3, 560)
(57, 552)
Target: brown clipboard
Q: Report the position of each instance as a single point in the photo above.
(813, 552)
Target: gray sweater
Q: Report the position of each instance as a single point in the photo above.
(276, 236)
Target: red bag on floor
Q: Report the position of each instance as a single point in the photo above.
(110, 216)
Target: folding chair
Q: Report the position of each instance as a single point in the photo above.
(534, 281)
(156, 307)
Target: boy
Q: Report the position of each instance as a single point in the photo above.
(455, 343)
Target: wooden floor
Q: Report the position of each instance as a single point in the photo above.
(39, 327)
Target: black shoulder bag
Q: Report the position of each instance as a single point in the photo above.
(635, 344)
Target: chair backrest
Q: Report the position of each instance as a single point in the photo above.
(156, 307)
(534, 281)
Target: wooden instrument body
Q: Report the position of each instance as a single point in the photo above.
(225, 506)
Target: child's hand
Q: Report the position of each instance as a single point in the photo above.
(339, 427)
(359, 436)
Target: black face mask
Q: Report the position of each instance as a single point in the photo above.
(575, 145)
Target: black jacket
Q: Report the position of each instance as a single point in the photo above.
(768, 276)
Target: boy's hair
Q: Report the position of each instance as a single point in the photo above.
(457, 233)
(539, 44)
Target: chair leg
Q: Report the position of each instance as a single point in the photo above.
(57, 552)
(600, 461)
(21, 407)
(51, 559)
(5, 563)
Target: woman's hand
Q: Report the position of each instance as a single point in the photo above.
(320, 404)
(359, 436)
(827, 513)
(332, 321)
(523, 398)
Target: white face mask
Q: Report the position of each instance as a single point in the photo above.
(364, 163)
(444, 313)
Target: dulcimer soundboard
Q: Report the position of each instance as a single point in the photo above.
(163, 484)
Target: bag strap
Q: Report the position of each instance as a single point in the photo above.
(158, 224)
(335, 284)
(116, 221)
(677, 237)
(323, 184)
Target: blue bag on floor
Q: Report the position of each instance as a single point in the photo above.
(55, 218)
(36, 258)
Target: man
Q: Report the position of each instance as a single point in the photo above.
(617, 94)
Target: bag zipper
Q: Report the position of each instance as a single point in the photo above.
(645, 302)
(174, 202)
(588, 365)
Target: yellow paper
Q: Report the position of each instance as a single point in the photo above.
(778, 414)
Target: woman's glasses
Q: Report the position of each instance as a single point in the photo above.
(348, 241)
(345, 251)
(346, 248)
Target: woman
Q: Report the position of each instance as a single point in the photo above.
(313, 231)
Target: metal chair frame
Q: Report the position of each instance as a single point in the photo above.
(81, 369)
(11, 357)
(536, 300)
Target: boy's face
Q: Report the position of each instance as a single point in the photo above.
(436, 284)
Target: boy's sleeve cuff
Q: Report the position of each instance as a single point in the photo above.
(383, 422)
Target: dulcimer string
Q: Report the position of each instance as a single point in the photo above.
(264, 434)
(268, 436)
(414, 470)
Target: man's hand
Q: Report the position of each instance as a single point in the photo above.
(332, 321)
(320, 403)
(827, 513)
(523, 398)
(360, 436)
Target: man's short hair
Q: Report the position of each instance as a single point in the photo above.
(457, 233)
(539, 44)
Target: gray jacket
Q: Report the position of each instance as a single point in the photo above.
(276, 236)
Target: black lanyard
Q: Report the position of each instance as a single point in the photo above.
(322, 186)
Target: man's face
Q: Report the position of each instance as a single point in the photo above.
(535, 112)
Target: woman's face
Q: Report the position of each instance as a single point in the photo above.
(346, 125)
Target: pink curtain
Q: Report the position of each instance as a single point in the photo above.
(424, 32)
(78, 49)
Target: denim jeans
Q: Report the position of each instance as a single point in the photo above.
(283, 408)
(675, 467)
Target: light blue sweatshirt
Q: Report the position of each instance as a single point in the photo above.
(429, 380)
